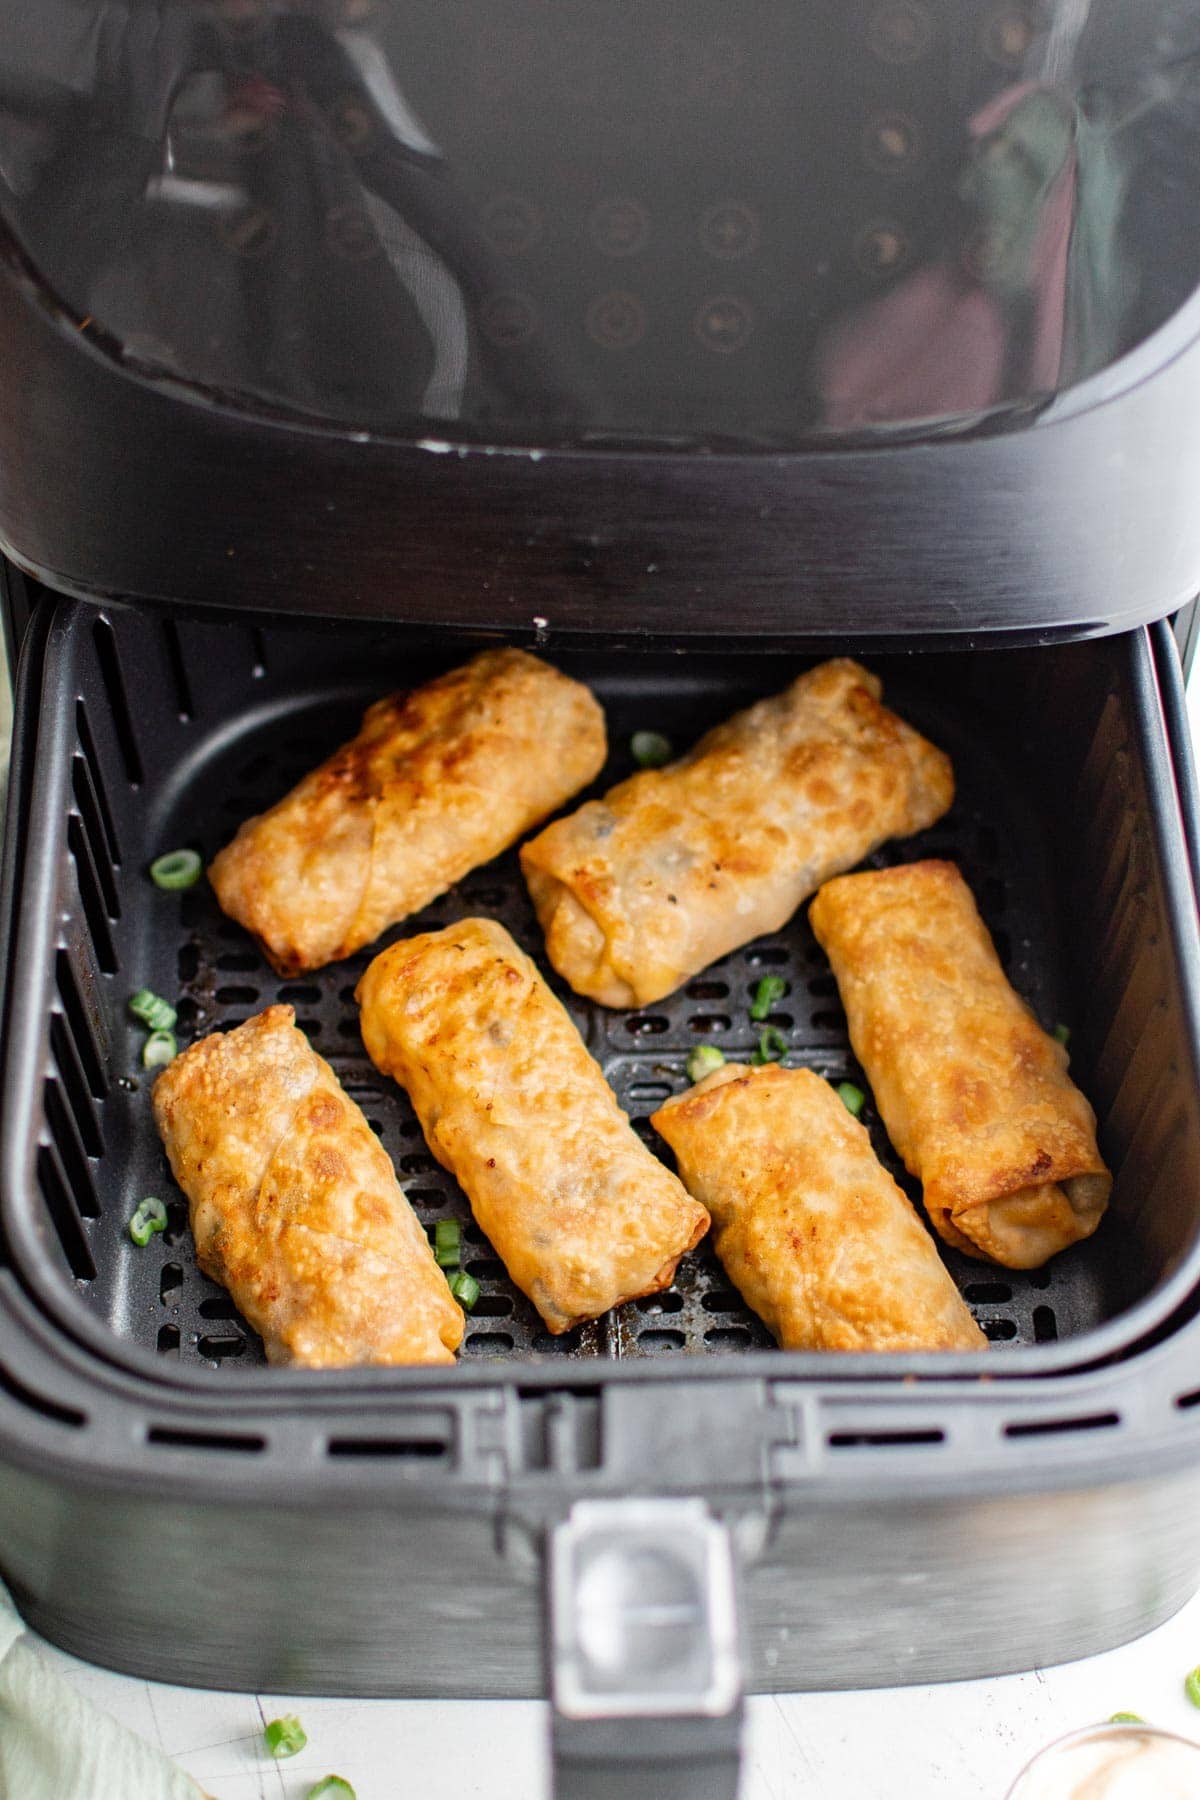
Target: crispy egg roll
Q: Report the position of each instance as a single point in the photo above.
(438, 780)
(811, 1229)
(295, 1206)
(674, 867)
(975, 1095)
(576, 1207)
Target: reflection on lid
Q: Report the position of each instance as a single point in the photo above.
(769, 226)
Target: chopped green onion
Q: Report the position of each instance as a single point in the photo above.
(772, 1046)
(177, 869)
(703, 1060)
(331, 1787)
(465, 1289)
(851, 1097)
(770, 989)
(159, 1049)
(149, 1010)
(1062, 1034)
(447, 1243)
(650, 749)
(151, 1216)
(1126, 1719)
(285, 1737)
(1191, 1687)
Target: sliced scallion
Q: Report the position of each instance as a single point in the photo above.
(703, 1060)
(177, 869)
(1126, 1719)
(851, 1097)
(159, 1049)
(772, 1046)
(285, 1737)
(465, 1289)
(650, 749)
(151, 1216)
(770, 989)
(1062, 1035)
(1191, 1686)
(447, 1243)
(331, 1787)
(152, 1011)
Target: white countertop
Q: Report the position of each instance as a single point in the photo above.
(960, 1741)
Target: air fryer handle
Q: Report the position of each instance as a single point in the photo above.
(645, 1673)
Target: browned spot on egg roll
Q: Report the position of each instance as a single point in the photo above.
(677, 866)
(579, 1211)
(811, 1229)
(975, 1095)
(295, 1206)
(437, 781)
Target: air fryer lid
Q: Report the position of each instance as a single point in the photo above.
(687, 223)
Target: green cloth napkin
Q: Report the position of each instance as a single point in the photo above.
(54, 1745)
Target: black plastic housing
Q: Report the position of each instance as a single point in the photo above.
(869, 1496)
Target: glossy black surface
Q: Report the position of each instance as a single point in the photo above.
(671, 225)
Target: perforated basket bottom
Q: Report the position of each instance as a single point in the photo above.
(992, 833)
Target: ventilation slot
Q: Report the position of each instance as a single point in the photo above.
(883, 1440)
(71, 1153)
(258, 654)
(61, 1207)
(93, 825)
(170, 1439)
(220, 1349)
(91, 896)
(1185, 1402)
(114, 682)
(183, 690)
(79, 1026)
(394, 1449)
(39, 1403)
(87, 744)
(75, 1086)
(1056, 1427)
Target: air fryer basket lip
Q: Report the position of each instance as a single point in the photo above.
(32, 853)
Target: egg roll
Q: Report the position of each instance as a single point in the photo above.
(811, 1229)
(295, 1206)
(438, 780)
(677, 866)
(581, 1214)
(974, 1094)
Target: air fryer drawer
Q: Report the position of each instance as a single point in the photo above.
(130, 1392)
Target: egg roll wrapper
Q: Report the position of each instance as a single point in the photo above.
(677, 866)
(582, 1215)
(811, 1229)
(438, 781)
(295, 1206)
(975, 1095)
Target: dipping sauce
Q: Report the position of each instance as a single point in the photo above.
(1113, 1762)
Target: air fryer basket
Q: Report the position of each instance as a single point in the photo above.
(859, 1492)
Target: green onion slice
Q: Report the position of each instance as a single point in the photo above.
(331, 1787)
(770, 989)
(149, 1010)
(772, 1046)
(650, 749)
(465, 1289)
(447, 1243)
(703, 1060)
(159, 1049)
(285, 1737)
(151, 1216)
(851, 1097)
(177, 869)
(1062, 1034)
(1126, 1719)
(1191, 1687)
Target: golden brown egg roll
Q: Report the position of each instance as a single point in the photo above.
(578, 1210)
(974, 1094)
(677, 866)
(295, 1206)
(811, 1229)
(437, 781)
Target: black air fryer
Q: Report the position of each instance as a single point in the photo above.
(688, 344)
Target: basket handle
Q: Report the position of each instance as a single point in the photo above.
(645, 1670)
